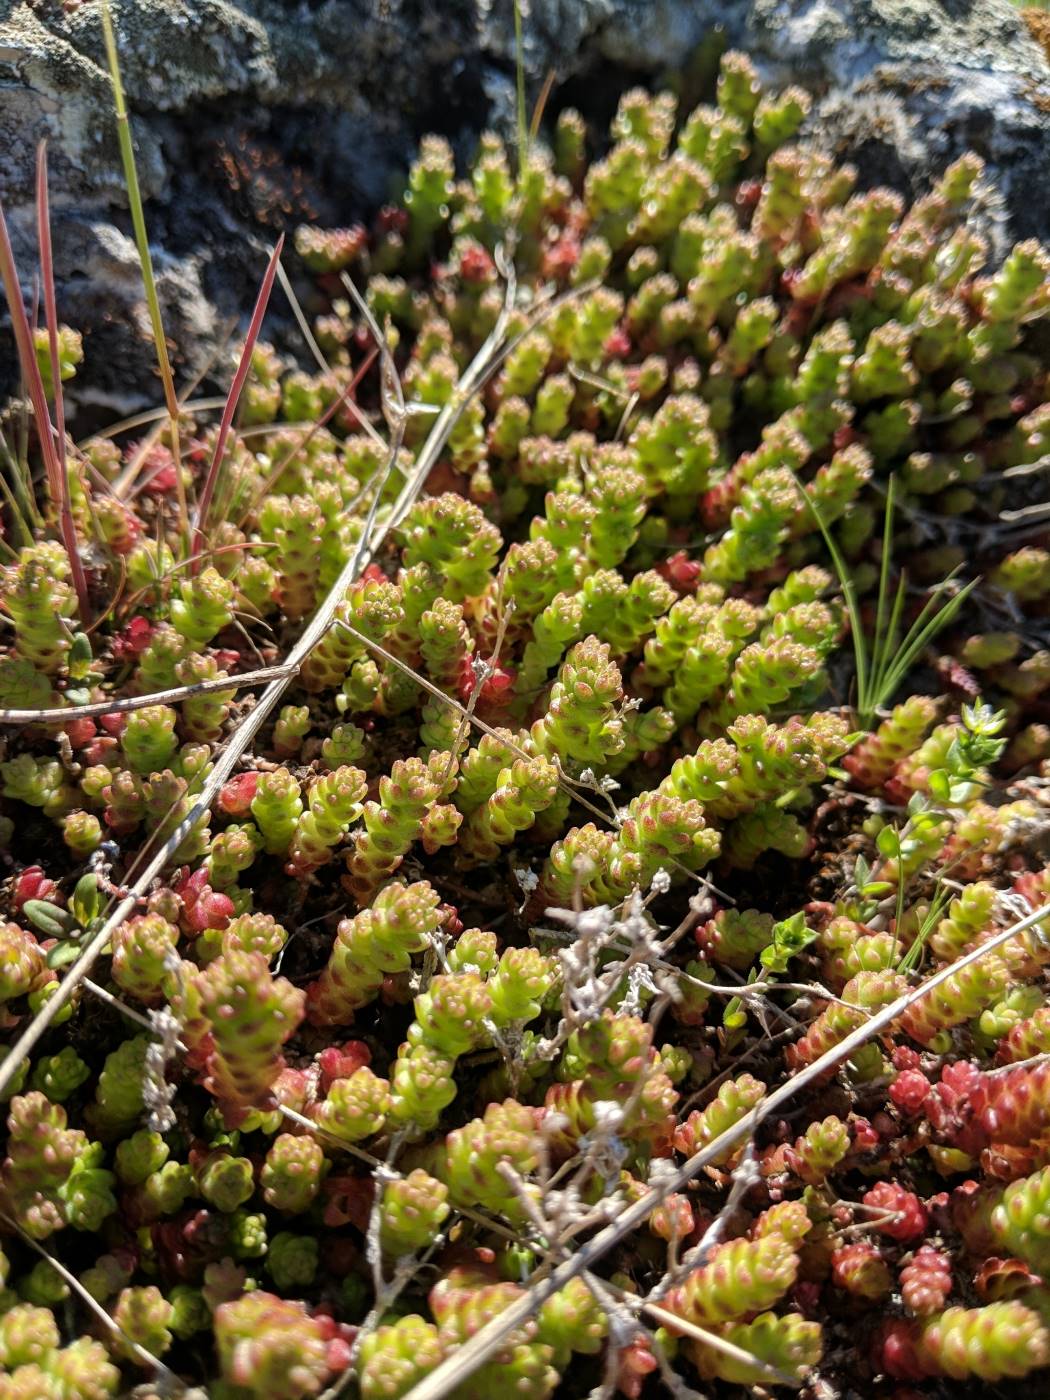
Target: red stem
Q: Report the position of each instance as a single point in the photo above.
(60, 484)
(31, 371)
(208, 489)
(330, 412)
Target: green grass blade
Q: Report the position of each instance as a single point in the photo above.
(138, 218)
(941, 898)
(917, 640)
(879, 648)
(19, 529)
(519, 65)
(149, 284)
(26, 515)
(884, 660)
(849, 593)
(901, 882)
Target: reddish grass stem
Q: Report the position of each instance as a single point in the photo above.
(35, 384)
(232, 399)
(60, 485)
(330, 412)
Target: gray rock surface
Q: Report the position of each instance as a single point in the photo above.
(252, 113)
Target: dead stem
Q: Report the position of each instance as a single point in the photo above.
(125, 704)
(177, 1386)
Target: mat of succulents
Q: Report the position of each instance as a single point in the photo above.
(525, 834)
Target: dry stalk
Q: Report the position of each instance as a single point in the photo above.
(745, 1176)
(612, 1299)
(1030, 1063)
(62, 715)
(147, 1358)
(303, 324)
(466, 1360)
(709, 1339)
(124, 1009)
(482, 671)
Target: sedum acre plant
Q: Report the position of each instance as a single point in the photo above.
(452, 803)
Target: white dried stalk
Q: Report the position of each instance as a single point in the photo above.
(169, 1378)
(466, 714)
(62, 715)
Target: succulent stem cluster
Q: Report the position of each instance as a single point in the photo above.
(562, 849)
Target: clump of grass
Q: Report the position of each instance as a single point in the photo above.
(884, 659)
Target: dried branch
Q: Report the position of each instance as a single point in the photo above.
(62, 715)
(147, 1358)
(301, 321)
(745, 1176)
(700, 1334)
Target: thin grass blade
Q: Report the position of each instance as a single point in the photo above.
(849, 593)
(885, 649)
(232, 399)
(19, 528)
(26, 515)
(916, 642)
(941, 897)
(894, 630)
(541, 104)
(35, 384)
(60, 485)
(879, 649)
(519, 65)
(303, 324)
(149, 284)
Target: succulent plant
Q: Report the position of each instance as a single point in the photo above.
(558, 807)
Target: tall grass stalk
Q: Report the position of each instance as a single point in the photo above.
(60, 486)
(232, 400)
(519, 74)
(38, 396)
(138, 222)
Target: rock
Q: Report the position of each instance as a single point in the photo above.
(903, 86)
(250, 115)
